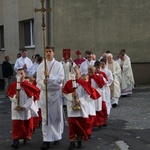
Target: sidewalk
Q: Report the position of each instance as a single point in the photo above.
(2, 94)
(128, 126)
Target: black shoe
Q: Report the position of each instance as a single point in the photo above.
(105, 125)
(65, 106)
(114, 105)
(79, 144)
(15, 144)
(24, 141)
(45, 145)
(56, 143)
(89, 136)
(40, 123)
(123, 95)
(99, 127)
(72, 145)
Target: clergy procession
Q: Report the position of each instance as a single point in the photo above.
(77, 93)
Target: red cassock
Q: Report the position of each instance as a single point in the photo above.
(23, 129)
(101, 116)
(79, 61)
(78, 125)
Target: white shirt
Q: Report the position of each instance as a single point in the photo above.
(33, 69)
(84, 66)
(20, 63)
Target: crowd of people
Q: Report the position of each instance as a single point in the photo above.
(87, 88)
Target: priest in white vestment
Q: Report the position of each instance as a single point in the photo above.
(52, 132)
(127, 82)
(115, 88)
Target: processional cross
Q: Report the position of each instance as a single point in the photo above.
(43, 10)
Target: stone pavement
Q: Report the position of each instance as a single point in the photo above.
(128, 126)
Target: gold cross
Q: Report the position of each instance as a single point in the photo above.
(43, 10)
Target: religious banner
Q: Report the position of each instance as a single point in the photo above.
(66, 53)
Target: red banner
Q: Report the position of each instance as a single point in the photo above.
(66, 53)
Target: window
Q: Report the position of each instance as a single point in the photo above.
(26, 34)
(1, 37)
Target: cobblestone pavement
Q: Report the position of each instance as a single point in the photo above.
(135, 110)
(128, 127)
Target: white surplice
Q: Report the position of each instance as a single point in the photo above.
(106, 88)
(98, 102)
(84, 100)
(53, 131)
(24, 101)
(127, 82)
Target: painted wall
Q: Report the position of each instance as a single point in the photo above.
(101, 25)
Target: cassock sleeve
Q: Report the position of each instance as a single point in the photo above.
(99, 80)
(94, 94)
(103, 74)
(68, 87)
(11, 91)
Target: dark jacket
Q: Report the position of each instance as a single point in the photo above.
(7, 69)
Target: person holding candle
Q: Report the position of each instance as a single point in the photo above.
(77, 92)
(22, 95)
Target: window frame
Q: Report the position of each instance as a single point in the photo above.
(31, 32)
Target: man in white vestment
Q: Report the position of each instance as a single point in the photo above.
(127, 83)
(52, 132)
(23, 62)
(115, 88)
(89, 61)
(125, 55)
(108, 83)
